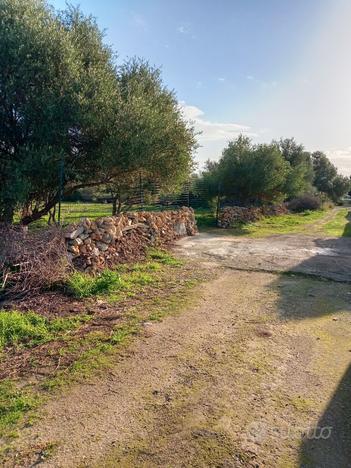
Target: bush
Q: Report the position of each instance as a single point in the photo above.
(305, 203)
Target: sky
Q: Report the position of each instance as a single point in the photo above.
(265, 68)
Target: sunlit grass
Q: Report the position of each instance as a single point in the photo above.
(283, 224)
(30, 329)
(340, 226)
(125, 279)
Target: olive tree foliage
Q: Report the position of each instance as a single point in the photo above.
(300, 177)
(326, 177)
(248, 173)
(151, 140)
(58, 96)
(64, 102)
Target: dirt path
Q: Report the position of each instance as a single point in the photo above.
(314, 255)
(255, 373)
(234, 381)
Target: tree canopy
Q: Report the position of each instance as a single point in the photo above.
(327, 179)
(248, 173)
(65, 102)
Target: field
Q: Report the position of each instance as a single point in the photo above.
(333, 223)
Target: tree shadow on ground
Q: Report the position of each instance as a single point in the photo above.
(328, 444)
(347, 229)
(331, 438)
(320, 297)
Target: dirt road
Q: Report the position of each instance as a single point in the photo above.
(325, 257)
(255, 373)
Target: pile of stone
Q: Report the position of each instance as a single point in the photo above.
(96, 244)
(234, 215)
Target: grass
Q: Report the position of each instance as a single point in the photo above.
(123, 279)
(340, 226)
(284, 224)
(81, 285)
(205, 218)
(30, 329)
(163, 257)
(14, 403)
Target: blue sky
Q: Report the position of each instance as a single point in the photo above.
(263, 67)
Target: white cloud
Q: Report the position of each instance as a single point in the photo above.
(342, 159)
(221, 79)
(214, 135)
(185, 29)
(182, 29)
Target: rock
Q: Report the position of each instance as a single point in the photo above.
(180, 229)
(75, 233)
(232, 215)
(101, 246)
(94, 245)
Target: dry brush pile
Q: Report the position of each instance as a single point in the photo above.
(233, 215)
(31, 261)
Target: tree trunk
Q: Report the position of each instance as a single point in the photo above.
(35, 215)
(114, 206)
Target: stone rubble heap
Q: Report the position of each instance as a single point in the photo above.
(234, 215)
(96, 244)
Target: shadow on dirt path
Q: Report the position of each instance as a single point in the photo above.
(324, 257)
(332, 436)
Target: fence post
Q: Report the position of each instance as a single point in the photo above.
(61, 176)
(218, 202)
(141, 195)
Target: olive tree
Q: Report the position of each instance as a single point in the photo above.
(58, 96)
(151, 139)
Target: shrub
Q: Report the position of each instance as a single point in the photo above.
(305, 203)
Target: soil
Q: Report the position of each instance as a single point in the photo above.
(255, 373)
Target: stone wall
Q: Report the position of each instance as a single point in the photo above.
(96, 244)
(233, 215)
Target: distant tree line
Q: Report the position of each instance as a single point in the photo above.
(268, 173)
(72, 118)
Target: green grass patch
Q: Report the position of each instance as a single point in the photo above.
(81, 285)
(205, 218)
(14, 404)
(163, 257)
(340, 226)
(124, 279)
(284, 224)
(30, 329)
